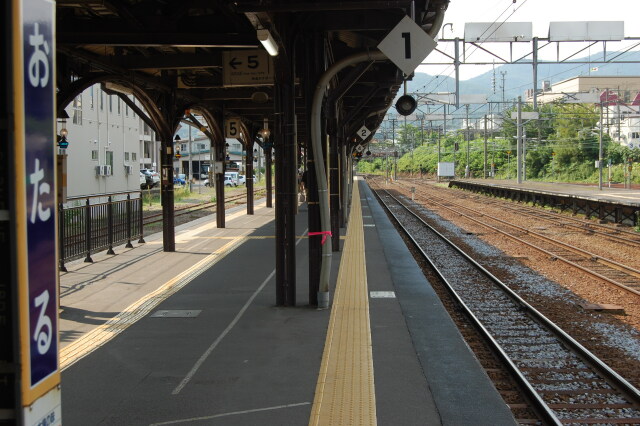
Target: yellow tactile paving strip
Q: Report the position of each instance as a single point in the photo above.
(345, 392)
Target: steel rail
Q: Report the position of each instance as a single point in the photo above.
(549, 416)
(591, 256)
(578, 224)
(195, 207)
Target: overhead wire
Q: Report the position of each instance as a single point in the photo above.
(481, 42)
(449, 66)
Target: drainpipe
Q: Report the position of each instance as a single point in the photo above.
(321, 176)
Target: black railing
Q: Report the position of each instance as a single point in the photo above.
(99, 225)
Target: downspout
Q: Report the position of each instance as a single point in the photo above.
(437, 22)
(321, 176)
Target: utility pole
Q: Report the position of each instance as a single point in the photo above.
(467, 171)
(438, 179)
(393, 143)
(504, 75)
(519, 141)
(485, 147)
(600, 150)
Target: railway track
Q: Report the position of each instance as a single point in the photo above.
(562, 381)
(157, 217)
(586, 226)
(613, 272)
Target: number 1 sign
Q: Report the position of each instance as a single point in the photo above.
(407, 45)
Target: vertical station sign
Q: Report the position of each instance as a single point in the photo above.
(35, 210)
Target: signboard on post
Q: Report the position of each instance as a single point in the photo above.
(364, 132)
(526, 115)
(35, 211)
(247, 68)
(407, 45)
(232, 127)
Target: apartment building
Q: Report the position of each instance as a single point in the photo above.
(108, 144)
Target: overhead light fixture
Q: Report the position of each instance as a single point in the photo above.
(406, 105)
(265, 132)
(268, 42)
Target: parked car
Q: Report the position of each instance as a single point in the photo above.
(228, 181)
(242, 180)
(155, 177)
(146, 181)
(180, 179)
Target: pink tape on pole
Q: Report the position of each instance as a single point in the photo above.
(324, 235)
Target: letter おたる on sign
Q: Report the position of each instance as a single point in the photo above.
(35, 141)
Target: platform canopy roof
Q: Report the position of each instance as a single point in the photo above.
(190, 48)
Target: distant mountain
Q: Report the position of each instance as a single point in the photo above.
(518, 78)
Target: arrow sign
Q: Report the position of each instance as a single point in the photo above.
(234, 64)
(249, 68)
(407, 45)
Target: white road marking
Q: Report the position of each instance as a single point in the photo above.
(233, 413)
(226, 331)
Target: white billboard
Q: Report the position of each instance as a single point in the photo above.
(479, 32)
(586, 31)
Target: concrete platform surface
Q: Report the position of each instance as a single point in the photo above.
(194, 337)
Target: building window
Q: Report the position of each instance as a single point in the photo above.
(634, 135)
(94, 155)
(126, 110)
(101, 100)
(133, 156)
(183, 147)
(118, 105)
(77, 109)
(91, 97)
(126, 156)
(110, 103)
(109, 155)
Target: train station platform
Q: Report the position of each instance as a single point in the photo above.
(614, 204)
(194, 337)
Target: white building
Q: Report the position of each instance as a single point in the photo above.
(195, 152)
(108, 144)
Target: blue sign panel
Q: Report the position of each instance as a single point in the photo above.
(39, 116)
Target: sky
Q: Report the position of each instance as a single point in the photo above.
(540, 13)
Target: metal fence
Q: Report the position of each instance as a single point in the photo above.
(100, 224)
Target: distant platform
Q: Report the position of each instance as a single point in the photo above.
(616, 205)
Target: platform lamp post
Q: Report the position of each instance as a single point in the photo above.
(264, 134)
(61, 160)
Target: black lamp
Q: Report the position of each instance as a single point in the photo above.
(63, 143)
(406, 105)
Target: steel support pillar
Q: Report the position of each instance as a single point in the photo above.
(286, 183)
(268, 175)
(218, 178)
(166, 173)
(334, 187)
(345, 174)
(249, 171)
(314, 66)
